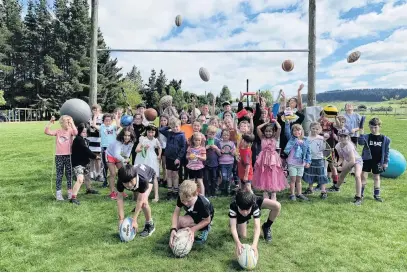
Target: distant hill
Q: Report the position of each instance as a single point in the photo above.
(372, 95)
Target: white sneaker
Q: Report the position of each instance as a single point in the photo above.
(59, 196)
(92, 175)
(69, 194)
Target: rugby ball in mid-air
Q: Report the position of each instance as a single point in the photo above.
(247, 259)
(354, 56)
(182, 243)
(127, 232)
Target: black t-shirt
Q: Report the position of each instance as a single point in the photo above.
(234, 212)
(201, 209)
(146, 176)
(375, 146)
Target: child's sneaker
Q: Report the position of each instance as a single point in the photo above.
(169, 195)
(324, 195)
(309, 191)
(357, 201)
(302, 197)
(75, 201)
(113, 195)
(69, 194)
(334, 189)
(267, 233)
(148, 230)
(91, 191)
(292, 198)
(59, 196)
(377, 198)
(125, 195)
(203, 237)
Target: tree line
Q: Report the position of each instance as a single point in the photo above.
(368, 95)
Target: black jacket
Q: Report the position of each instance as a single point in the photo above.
(283, 138)
(81, 154)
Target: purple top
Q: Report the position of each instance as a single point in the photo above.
(227, 150)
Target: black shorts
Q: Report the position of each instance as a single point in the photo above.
(195, 174)
(197, 218)
(372, 166)
(354, 140)
(170, 165)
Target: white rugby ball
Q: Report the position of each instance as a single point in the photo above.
(127, 232)
(182, 243)
(247, 259)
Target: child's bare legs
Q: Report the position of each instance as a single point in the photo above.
(155, 186)
(273, 196)
(242, 230)
(77, 186)
(201, 186)
(292, 185)
(298, 185)
(364, 177)
(265, 195)
(112, 176)
(98, 167)
(358, 181)
(185, 221)
(175, 182)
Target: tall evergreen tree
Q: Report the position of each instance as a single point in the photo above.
(161, 82)
(135, 76)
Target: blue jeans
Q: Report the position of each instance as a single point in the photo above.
(226, 170)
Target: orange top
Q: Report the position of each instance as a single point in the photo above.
(187, 129)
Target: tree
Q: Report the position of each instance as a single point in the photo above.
(2, 100)
(161, 83)
(148, 92)
(178, 99)
(224, 95)
(132, 95)
(135, 76)
(175, 84)
(268, 95)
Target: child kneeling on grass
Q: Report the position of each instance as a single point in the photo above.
(198, 216)
(138, 178)
(81, 156)
(242, 209)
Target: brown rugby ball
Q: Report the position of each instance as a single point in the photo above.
(287, 65)
(150, 114)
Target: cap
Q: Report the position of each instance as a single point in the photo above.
(343, 132)
(225, 103)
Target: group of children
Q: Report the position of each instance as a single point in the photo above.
(204, 155)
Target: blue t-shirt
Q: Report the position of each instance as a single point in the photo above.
(108, 135)
(211, 155)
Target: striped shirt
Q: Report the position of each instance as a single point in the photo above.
(94, 136)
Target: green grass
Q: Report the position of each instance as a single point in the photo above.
(39, 234)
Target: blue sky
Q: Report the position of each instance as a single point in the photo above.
(377, 28)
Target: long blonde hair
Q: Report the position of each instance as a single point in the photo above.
(297, 127)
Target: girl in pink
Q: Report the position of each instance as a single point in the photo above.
(268, 174)
(196, 155)
(64, 138)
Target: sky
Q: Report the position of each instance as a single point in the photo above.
(376, 28)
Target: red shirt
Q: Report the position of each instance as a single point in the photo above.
(245, 159)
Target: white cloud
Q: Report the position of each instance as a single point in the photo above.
(143, 24)
(371, 24)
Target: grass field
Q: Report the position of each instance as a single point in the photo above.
(39, 234)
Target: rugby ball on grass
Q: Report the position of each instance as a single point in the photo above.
(127, 232)
(247, 259)
(182, 243)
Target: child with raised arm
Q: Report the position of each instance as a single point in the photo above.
(268, 174)
(375, 155)
(198, 216)
(139, 179)
(349, 158)
(63, 152)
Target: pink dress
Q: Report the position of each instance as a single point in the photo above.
(268, 173)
